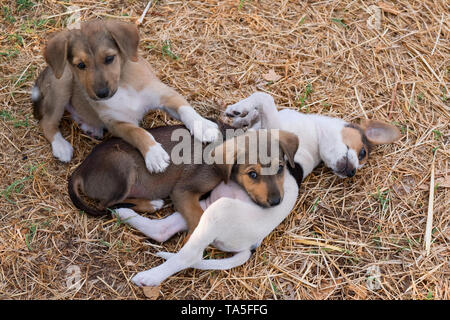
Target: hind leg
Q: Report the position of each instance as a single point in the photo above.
(188, 256)
(50, 100)
(156, 229)
(215, 264)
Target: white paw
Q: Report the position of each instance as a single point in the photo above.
(246, 121)
(61, 148)
(241, 108)
(165, 255)
(244, 113)
(125, 213)
(149, 278)
(207, 132)
(156, 159)
(157, 204)
(201, 128)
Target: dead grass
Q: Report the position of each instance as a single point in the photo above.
(216, 53)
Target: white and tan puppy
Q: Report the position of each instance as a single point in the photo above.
(232, 222)
(344, 147)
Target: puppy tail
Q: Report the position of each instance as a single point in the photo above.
(37, 96)
(36, 99)
(75, 181)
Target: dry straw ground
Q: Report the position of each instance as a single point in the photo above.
(329, 61)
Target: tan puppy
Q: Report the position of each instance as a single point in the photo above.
(114, 173)
(96, 74)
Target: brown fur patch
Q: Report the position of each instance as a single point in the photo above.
(353, 137)
(141, 205)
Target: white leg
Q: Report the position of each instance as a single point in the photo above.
(156, 229)
(258, 111)
(215, 264)
(188, 256)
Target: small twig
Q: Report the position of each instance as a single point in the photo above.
(438, 36)
(393, 97)
(141, 19)
(429, 225)
(359, 103)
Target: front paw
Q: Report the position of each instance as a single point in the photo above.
(246, 120)
(149, 278)
(202, 129)
(61, 148)
(244, 113)
(205, 130)
(241, 108)
(157, 159)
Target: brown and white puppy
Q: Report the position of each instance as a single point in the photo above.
(344, 147)
(96, 73)
(115, 174)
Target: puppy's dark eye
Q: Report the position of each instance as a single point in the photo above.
(280, 169)
(253, 175)
(81, 66)
(362, 154)
(109, 59)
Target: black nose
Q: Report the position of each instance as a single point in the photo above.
(351, 173)
(274, 201)
(102, 93)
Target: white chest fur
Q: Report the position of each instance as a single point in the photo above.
(129, 105)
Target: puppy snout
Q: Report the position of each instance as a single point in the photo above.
(274, 201)
(102, 93)
(345, 168)
(351, 172)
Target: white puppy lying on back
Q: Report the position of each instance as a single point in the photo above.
(234, 223)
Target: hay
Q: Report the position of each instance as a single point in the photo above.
(360, 238)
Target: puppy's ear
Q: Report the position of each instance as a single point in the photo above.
(289, 144)
(225, 157)
(379, 132)
(55, 53)
(126, 36)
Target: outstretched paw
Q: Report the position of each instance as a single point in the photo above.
(201, 128)
(244, 113)
(205, 130)
(149, 278)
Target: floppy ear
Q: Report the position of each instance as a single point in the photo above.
(55, 53)
(126, 36)
(379, 132)
(289, 144)
(225, 157)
